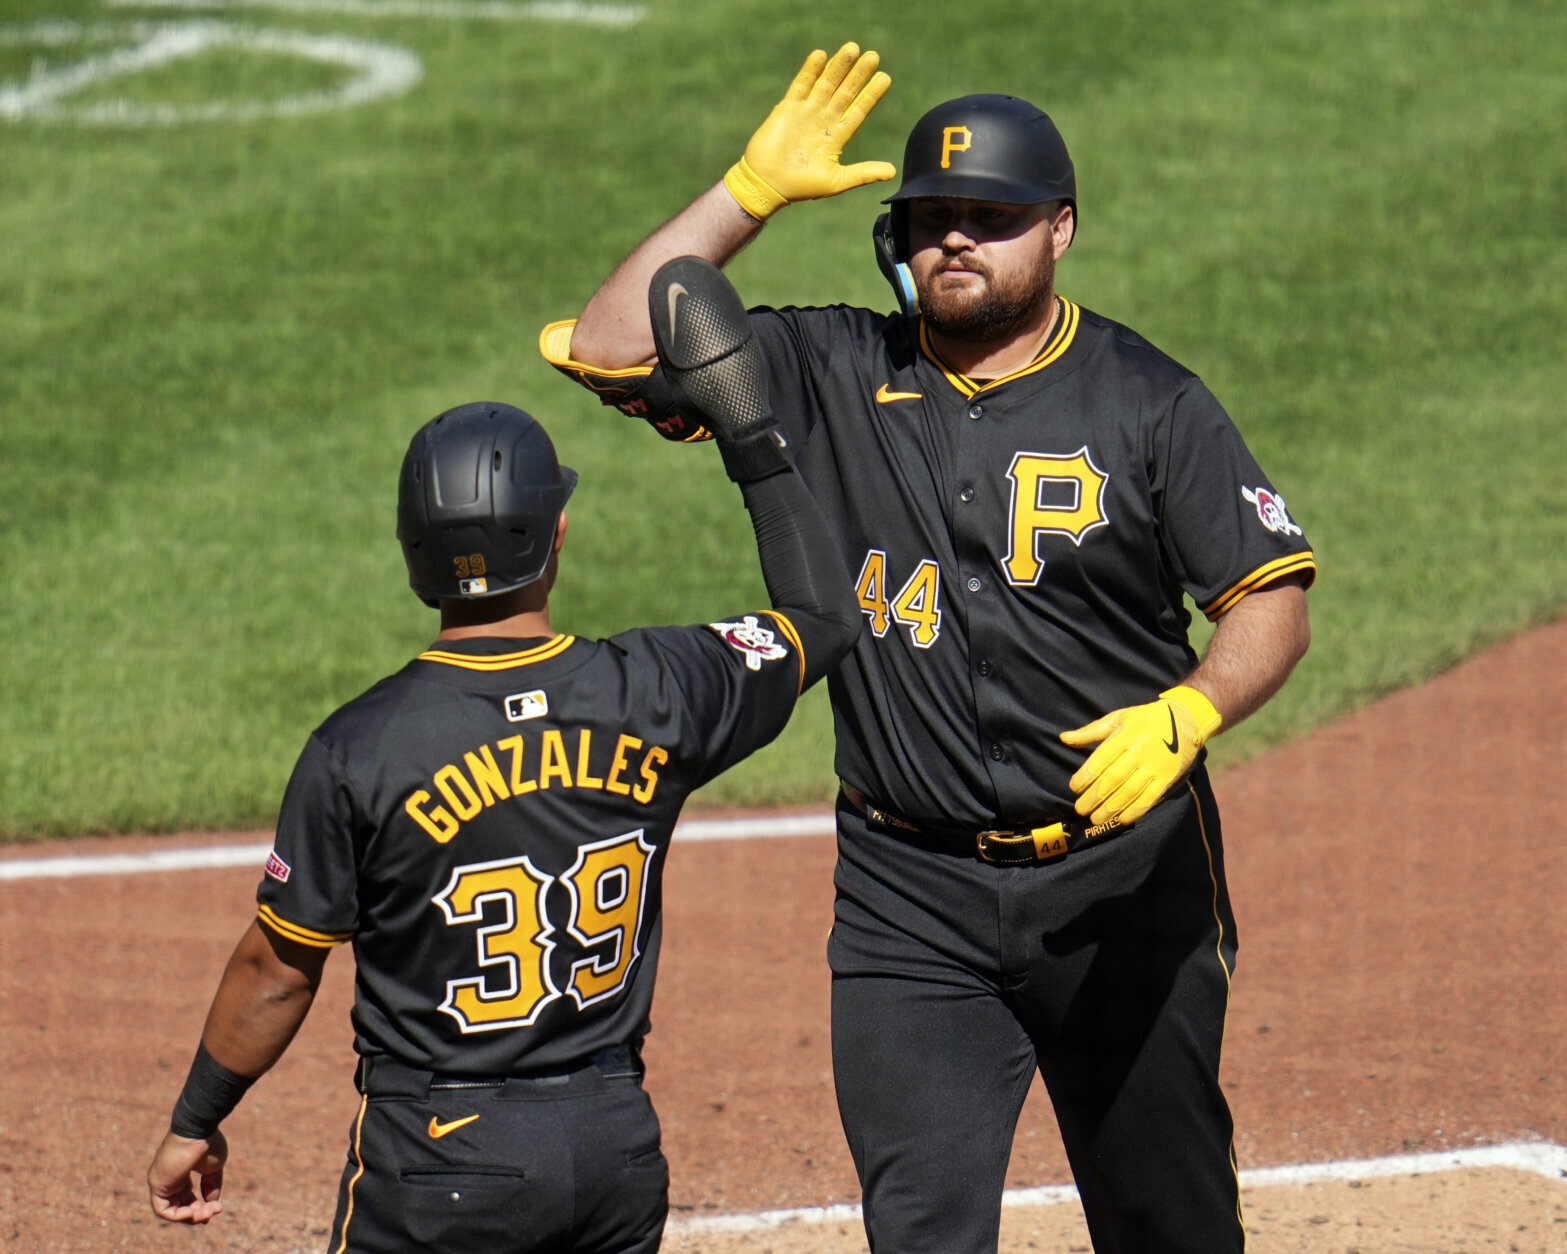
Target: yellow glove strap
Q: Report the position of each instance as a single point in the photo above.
(751, 192)
(1198, 706)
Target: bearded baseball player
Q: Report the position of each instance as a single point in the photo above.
(1030, 873)
(488, 829)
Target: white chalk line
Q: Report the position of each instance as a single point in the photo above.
(253, 855)
(1540, 1158)
(612, 15)
(381, 70)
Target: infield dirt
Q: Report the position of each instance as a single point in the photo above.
(1397, 882)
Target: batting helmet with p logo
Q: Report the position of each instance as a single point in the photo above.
(987, 148)
(982, 147)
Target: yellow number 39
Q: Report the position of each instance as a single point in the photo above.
(607, 886)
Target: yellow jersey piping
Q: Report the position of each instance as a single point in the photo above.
(785, 626)
(300, 935)
(1060, 340)
(501, 661)
(1292, 564)
(555, 347)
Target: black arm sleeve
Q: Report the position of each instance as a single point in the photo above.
(805, 575)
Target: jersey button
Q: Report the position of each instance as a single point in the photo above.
(966, 495)
(997, 753)
(976, 411)
(974, 585)
(984, 666)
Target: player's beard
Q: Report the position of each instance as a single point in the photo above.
(994, 312)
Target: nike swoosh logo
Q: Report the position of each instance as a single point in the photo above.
(676, 290)
(1174, 743)
(883, 395)
(439, 1129)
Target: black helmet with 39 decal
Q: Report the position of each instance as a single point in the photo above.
(478, 499)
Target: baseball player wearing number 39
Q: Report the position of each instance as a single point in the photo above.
(1030, 874)
(488, 828)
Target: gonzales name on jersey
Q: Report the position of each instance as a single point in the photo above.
(488, 827)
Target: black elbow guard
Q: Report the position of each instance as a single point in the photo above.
(639, 391)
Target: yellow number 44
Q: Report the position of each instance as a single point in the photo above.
(917, 605)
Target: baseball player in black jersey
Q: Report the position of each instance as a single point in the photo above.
(1030, 874)
(488, 829)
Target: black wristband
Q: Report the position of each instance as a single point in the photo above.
(210, 1094)
(757, 456)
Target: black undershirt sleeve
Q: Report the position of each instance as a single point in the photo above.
(805, 575)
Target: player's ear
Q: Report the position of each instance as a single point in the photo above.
(1063, 227)
(560, 532)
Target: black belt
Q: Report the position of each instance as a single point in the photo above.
(381, 1076)
(1002, 846)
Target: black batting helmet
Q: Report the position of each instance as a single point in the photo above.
(977, 148)
(987, 148)
(477, 502)
(982, 147)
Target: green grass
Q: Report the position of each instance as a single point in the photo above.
(215, 339)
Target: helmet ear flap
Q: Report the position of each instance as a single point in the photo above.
(890, 236)
(899, 213)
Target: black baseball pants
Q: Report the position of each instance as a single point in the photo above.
(1109, 971)
(565, 1164)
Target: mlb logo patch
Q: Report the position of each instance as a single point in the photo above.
(277, 868)
(526, 705)
(473, 587)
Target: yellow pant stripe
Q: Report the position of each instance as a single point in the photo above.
(1218, 950)
(348, 1212)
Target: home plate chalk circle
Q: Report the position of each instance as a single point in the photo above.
(106, 52)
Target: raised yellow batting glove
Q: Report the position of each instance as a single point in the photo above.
(794, 154)
(1143, 749)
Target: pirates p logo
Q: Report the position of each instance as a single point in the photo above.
(954, 139)
(1051, 494)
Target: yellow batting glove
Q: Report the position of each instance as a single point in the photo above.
(1143, 749)
(794, 154)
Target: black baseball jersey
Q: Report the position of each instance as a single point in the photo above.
(488, 828)
(1020, 545)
